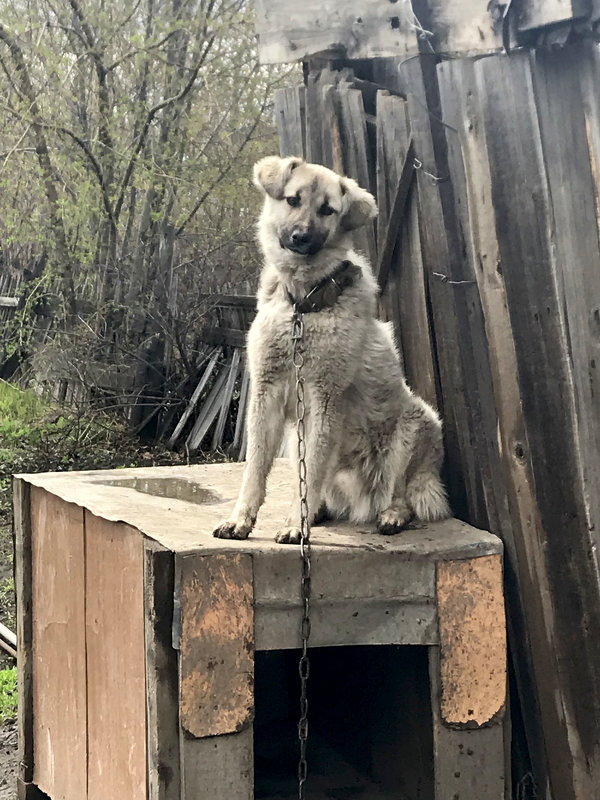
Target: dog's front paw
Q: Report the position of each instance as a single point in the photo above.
(232, 529)
(394, 519)
(289, 536)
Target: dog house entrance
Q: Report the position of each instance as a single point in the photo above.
(370, 724)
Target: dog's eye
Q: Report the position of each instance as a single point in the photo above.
(294, 201)
(326, 210)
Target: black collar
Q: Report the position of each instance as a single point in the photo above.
(326, 292)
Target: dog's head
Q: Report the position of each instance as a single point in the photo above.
(309, 207)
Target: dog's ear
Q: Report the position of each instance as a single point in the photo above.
(272, 173)
(360, 205)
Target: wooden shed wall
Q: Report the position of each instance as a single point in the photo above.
(493, 286)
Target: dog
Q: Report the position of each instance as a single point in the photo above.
(373, 448)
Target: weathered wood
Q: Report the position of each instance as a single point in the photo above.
(217, 643)
(239, 435)
(189, 410)
(208, 413)
(24, 597)
(358, 29)
(571, 181)
(162, 689)
(29, 791)
(8, 640)
(116, 678)
(461, 111)
(224, 336)
(226, 402)
(331, 138)
(289, 116)
(357, 163)
(219, 768)
(467, 763)
(58, 646)
(565, 636)
(9, 302)
(541, 13)
(388, 241)
(473, 677)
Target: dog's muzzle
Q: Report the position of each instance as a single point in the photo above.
(304, 242)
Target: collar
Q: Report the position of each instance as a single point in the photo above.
(326, 292)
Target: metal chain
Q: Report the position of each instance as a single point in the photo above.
(304, 664)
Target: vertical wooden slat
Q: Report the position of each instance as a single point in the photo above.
(557, 84)
(567, 632)
(467, 763)
(24, 591)
(461, 111)
(59, 651)
(116, 661)
(289, 115)
(162, 689)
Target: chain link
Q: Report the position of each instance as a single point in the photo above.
(304, 664)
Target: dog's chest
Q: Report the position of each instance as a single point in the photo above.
(326, 343)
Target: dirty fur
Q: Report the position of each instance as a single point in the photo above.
(374, 449)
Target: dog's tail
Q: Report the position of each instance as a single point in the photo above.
(426, 496)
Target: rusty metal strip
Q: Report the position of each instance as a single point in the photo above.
(217, 644)
(472, 641)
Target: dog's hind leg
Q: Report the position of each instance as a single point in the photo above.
(426, 496)
(265, 429)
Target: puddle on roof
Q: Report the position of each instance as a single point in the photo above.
(173, 488)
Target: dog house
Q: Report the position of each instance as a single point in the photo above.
(159, 662)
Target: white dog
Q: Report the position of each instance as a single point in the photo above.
(373, 448)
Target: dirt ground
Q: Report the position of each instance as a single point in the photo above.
(8, 761)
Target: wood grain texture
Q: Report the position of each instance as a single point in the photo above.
(217, 643)
(468, 764)
(357, 29)
(565, 636)
(24, 598)
(472, 626)
(289, 115)
(116, 660)
(461, 110)
(162, 687)
(541, 13)
(218, 768)
(59, 647)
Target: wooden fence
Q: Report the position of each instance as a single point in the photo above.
(487, 249)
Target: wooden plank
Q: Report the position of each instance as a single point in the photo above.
(219, 768)
(240, 423)
(358, 29)
(224, 336)
(541, 13)
(208, 413)
(357, 161)
(331, 138)
(227, 395)
(576, 234)
(395, 218)
(24, 597)
(465, 28)
(217, 643)
(59, 647)
(195, 395)
(470, 604)
(461, 111)
(455, 307)
(289, 116)
(116, 677)
(467, 763)
(162, 689)
(566, 635)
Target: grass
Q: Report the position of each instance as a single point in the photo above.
(40, 436)
(8, 694)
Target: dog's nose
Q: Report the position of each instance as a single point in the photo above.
(300, 237)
